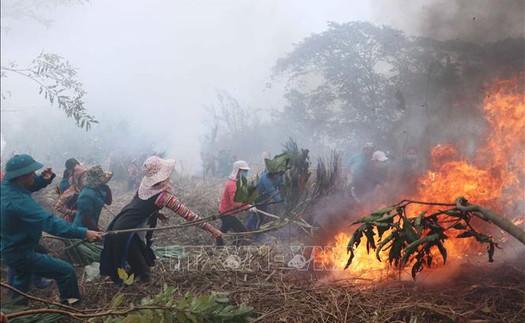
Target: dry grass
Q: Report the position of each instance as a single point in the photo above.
(478, 292)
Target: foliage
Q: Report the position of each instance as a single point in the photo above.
(81, 253)
(357, 82)
(214, 307)
(414, 240)
(126, 278)
(296, 177)
(344, 76)
(35, 10)
(300, 192)
(57, 82)
(246, 191)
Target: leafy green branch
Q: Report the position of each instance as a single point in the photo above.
(163, 307)
(416, 240)
(58, 83)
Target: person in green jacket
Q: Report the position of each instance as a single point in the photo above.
(22, 222)
(92, 198)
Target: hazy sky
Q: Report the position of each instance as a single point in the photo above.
(157, 63)
(160, 61)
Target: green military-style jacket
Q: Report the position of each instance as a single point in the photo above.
(23, 219)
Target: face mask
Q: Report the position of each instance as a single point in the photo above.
(244, 174)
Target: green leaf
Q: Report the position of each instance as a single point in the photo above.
(416, 268)
(71, 301)
(382, 244)
(371, 218)
(117, 300)
(383, 211)
(443, 251)
(122, 274)
(459, 226)
(466, 234)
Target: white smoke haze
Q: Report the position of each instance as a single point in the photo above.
(152, 66)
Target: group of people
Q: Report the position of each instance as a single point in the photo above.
(372, 168)
(83, 194)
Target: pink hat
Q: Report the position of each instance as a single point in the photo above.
(156, 170)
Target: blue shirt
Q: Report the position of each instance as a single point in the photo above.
(23, 220)
(90, 202)
(357, 160)
(64, 184)
(267, 188)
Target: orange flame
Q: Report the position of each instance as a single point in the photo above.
(364, 265)
(494, 177)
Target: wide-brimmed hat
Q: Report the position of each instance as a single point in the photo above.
(20, 165)
(97, 176)
(156, 170)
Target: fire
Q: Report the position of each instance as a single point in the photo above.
(364, 265)
(492, 177)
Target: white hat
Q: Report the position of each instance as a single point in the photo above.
(238, 165)
(379, 155)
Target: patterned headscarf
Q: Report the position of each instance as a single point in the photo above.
(96, 176)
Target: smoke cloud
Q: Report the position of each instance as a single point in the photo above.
(477, 21)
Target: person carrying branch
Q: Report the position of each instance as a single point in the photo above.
(269, 190)
(23, 221)
(228, 207)
(130, 250)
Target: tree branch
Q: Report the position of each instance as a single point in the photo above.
(488, 215)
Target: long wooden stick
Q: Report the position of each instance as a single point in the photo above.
(187, 224)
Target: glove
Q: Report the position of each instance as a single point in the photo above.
(253, 209)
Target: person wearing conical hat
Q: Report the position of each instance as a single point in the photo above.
(132, 249)
(23, 221)
(92, 198)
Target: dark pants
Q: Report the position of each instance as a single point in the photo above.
(43, 265)
(230, 222)
(139, 265)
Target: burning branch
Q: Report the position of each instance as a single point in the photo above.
(488, 215)
(415, 240)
